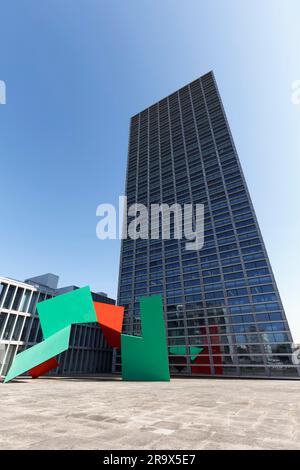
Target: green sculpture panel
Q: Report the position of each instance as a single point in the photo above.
(39, 353)
(146, 357)
(67, 309)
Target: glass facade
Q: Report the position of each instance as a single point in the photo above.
(20, 329)
(223, 312)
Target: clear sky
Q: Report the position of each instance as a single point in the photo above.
(76, 70)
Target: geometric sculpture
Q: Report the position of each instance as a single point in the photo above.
(143, 358)
(56, 317)
(110, 319)
(146, 357)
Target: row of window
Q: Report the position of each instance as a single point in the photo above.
(27, 329)
(75, 360)
(227, 329)
(195, 320)
(189, 286)
(231, 371)
(233, 359)
(238, 339)
(19, 298)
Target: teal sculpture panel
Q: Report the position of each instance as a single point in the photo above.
(39, 353)
(59, 312)
(146, 357)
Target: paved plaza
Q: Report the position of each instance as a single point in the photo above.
(106, 413)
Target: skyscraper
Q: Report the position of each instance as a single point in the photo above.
(223, 312)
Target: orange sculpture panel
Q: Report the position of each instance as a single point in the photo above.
(110, 319)
(43, 368)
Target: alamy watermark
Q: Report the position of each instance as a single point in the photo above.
(296, 354)
(158, 221)
(295, 96)
(2, 92)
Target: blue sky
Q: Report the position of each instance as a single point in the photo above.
(76, 70)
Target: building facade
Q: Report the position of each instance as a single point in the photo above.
(20, 328)
(223, 312)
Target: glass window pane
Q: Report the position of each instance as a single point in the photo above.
(28, 321)
(33, 300)
(18, 327)
(9, 358)
(3, 317)
(9, 326)
(33, 330)
(9, 296)
(17, 298)
(39, 337)
(3, 289)
(25, 301)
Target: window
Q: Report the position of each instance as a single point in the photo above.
(238, 300)
(26, 328)
(33, 302)
(33, 330)
(3, 289)
(9, 297)
(261, 289)
(42, 296)
(9, 326)
(39, 337)
(264, 298)
(3, 317)
(17, 329)
(9, 358)
(17, 298)
(25, 301)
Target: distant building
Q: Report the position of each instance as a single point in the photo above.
(20, 328)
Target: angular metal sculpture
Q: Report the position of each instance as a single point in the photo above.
(146, 357)
(56, 317)
(143, 358)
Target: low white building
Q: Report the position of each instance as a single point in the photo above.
(20, 328)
